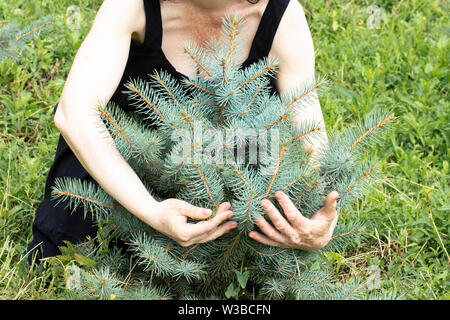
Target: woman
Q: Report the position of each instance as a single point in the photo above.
(131, 39)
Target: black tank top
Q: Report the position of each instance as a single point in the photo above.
(53, 222)
(147, 57)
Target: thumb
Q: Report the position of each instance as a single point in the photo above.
(330, 205)
(194, 212)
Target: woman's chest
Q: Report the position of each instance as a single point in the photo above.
(182, 25)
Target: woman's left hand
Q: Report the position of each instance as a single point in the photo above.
(297, 231)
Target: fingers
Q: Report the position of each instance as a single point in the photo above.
(331, 202)
(268, 230)
(216, 233)
(204, 227)
(279, 222)
(297, 231)
(190, 233)
(224, 207)
(198, 213)
(294, 216)
(188, 210)
(329, 210)
(264, 240)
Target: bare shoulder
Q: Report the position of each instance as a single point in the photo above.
(293, 44)
(294, 14)
(121, 16)
(293, 32)
(293, 25)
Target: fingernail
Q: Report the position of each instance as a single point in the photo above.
(230, 215)
(207, 211)
(233, 226)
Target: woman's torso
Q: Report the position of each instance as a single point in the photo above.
(54, 221)
(169, 25)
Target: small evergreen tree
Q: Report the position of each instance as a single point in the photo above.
(235, 111)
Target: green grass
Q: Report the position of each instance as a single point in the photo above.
(401, 66)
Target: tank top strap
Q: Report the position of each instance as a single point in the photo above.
(153, 23)
(267, 28)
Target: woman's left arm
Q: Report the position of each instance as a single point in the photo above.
(293, 47)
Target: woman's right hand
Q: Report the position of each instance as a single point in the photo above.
(170, 218)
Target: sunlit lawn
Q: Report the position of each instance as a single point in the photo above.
(399, 64)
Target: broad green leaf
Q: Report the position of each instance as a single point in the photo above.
(84, 261)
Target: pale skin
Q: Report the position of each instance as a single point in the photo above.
(96, 73)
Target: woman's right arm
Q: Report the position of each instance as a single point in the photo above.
(94, 76)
